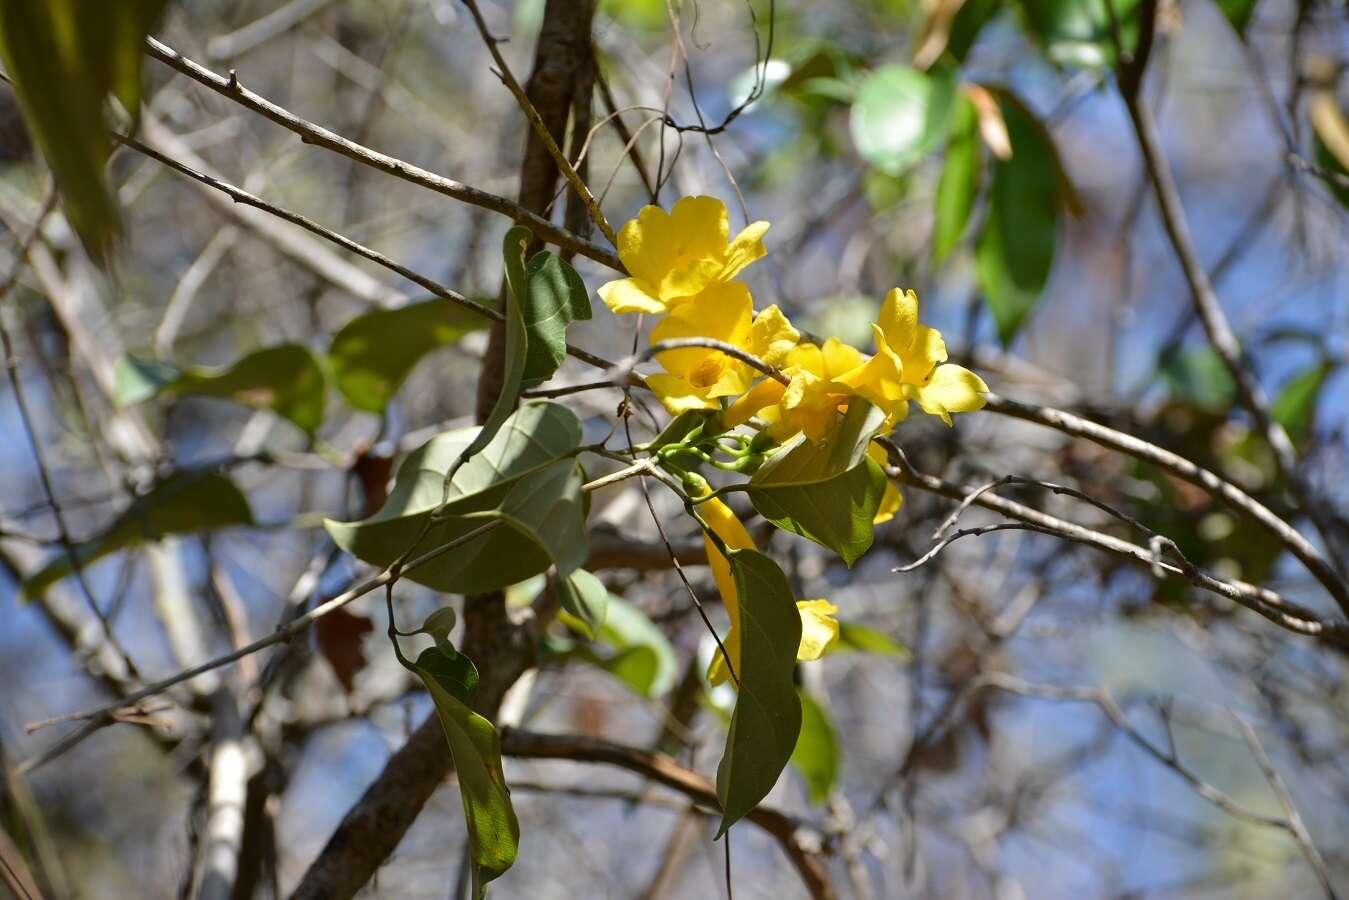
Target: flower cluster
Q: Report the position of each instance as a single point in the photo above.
(683, 266)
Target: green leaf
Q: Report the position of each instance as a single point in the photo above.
(865, 639)
(525, 476)
(516, 348)
(1015, 251)
(829, 491)
(1199, 377)
(959, 180)
(182, 503)
(901, 115)
(816, 755)
(585, 598)
(1238, 12)
(1295, 407)
(287, 379)
(64, 57)
(629, 646)
(767, 718)
(554, 297)
(374, 353)
(1078, 32)
(972, 16)
(475, 745)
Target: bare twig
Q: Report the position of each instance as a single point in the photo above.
(314, 134)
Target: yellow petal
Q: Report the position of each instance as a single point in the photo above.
(701, 227)
(722, 312)
(731, 530)
(892, 499)
(745, 249)
(678, 395)
(772, 337)
(819, 628)
(899, 318)
(838, 358)
(631, 295)
(767, 392)
(951, 389)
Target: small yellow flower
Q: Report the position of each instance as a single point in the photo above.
(819, 628)
(810, 402)
(676, 255)
(910, 364)
(696, 376)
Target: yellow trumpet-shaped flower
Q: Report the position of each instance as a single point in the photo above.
(819, 628)
(810, 402)
(676, 255)
(892, 499)
(696, 376)
(910, 364)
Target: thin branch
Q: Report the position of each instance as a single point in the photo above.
(322, 137)
(1182, 468)
(803, 846)
(540, 128)
(1295, 826)
(1273, 606)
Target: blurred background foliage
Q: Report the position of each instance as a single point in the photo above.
(192, 365)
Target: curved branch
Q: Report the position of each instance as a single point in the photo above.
(322, 137)
(804, 846)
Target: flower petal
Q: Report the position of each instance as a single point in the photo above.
(951, 389)
(838, 358)
(819, 628)
(892, 499)
(678, 395)
(722, 312)
(772, 336)
(764, 394)
(745, 249)
(631, 295)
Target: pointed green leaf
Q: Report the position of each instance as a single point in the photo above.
(816, 755)
(969, 20)
(1295, 407)
(865, 639)
(64, 57)
(829, 491)
(767, 718)
(959, 181)
(1015, 251)
(901, 115)
(475, 745)
(1238, 12)
(374, 353)
(554, 297)
(525, 476)
(585, 598)
(287, 379)
(182, 503)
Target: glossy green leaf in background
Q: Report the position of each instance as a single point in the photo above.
(767, 718)
(374, 353)
(959, 182)
(829, 491)
(183, 503)
(554, 296)
(1015, 250)
(1238, 12)
(629, 646)
(865, 639)
(584, 598)
(525, 476)
(901, 115)
(475, 745)
(1078, 32)
(64, 58)
(816, 755)
(1295, 407)
(287, 379)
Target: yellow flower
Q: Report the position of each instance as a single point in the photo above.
(892, 499)
(810, 402)
(696, 376)
(910, 364)
(819, 629)
(676, 255)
